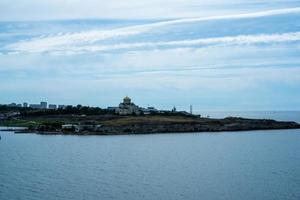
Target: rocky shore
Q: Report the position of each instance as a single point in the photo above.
(208, 125)
(146, 125)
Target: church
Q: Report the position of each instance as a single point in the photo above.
(128, 108)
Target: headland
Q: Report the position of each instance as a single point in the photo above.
(127, 118)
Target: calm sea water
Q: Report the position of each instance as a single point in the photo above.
(277, 115)
(240, 165)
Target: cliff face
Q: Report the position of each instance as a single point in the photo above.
(206, 125)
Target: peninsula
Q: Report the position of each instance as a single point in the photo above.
(127, 118)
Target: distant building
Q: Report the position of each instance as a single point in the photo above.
(127, 107)
(12, 105)
(62, 106)
(152, 109)
(173, 109)
(69, 127)
(43, 105)
(52, 107)
(149, 110)
(82, 127)
(35, 106)
(25, 105)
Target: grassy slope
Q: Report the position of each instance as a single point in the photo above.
(19, 123)
(111, 120)
(128, 120)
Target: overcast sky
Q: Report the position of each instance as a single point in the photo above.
(129, 9)
(215, 55)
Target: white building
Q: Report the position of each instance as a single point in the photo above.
(149, 110)
(127, 107)
(35, 106)
(42, 105)
(81, 127)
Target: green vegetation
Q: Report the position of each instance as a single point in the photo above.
(115, 124)
(19, 123)
(53, 119)
(75, 110)
(56, 121)
(49, 124)
(149, 119)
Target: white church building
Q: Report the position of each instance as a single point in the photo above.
(128, 108)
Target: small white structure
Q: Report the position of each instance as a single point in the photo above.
(82, 127)
(149, 110)
(68, 127)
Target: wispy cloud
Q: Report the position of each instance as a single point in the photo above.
(233, 40)
(83, 41)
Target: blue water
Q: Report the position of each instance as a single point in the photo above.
(240, 165)
(276, 115)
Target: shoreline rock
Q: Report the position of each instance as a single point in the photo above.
(201, 125)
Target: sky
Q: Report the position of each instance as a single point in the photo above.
(218, 55)
(130, 9)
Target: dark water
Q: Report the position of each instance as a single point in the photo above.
(241, 165)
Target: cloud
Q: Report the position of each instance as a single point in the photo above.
(74, 9)
(41, 47)
(235, 40)
(83, 41)
(225, 17)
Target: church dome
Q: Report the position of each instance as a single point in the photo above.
(127, 98)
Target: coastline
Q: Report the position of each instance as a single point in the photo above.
(154, 125)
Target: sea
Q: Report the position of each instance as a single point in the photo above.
(248, 165)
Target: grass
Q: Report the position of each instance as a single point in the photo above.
(106, 120)
(19, 123)
(147, 120)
